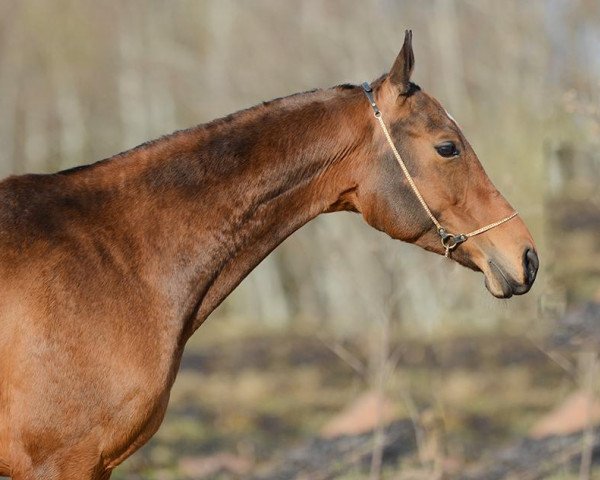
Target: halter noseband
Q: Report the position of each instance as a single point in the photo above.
(449, 240)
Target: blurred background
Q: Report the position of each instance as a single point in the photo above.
(346, 354)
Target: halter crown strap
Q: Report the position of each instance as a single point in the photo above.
(449, 240)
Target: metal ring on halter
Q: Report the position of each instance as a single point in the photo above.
(450, 241)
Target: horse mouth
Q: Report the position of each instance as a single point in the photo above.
(500, 284)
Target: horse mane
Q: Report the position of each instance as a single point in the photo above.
(295, 100)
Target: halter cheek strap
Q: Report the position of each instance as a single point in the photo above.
(449, 240)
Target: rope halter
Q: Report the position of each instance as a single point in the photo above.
(449, 240)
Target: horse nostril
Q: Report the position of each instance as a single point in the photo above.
(531, 264)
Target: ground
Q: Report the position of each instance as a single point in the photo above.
(243, 399)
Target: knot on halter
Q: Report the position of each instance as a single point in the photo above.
(449, 240)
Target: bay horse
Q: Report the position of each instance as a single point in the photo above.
(106, 270)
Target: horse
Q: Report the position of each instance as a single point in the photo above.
(106, 270)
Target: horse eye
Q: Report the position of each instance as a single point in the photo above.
(447, 150)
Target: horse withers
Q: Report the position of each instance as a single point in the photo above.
(107, 270)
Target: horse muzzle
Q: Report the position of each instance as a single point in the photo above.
(503, 282)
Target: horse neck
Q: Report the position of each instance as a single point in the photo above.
(209, 204)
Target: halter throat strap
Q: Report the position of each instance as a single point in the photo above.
(449, 241)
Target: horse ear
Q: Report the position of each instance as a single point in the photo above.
(403, 66)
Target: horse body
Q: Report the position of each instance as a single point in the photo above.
(72, 339)
(106, 270)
